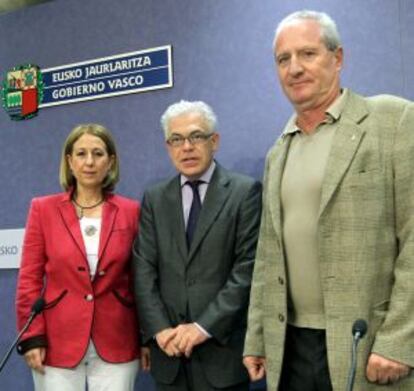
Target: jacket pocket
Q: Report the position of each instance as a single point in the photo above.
(381, 308)
(123, 300)
(55, 301)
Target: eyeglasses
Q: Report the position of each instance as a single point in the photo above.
(195, 138)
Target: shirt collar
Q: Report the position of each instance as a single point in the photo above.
(335, 110)
(333, 113)
(206, 177)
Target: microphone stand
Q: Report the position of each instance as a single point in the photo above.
(37, 308)
(351, 378)
(359, 328)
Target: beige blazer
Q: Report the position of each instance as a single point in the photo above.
(366, 243)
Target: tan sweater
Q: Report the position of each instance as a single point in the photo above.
(300, 195)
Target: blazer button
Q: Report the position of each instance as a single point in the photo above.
(88, 297)
(281, 280)
(281, 318)
(101, 273)
(191, 282)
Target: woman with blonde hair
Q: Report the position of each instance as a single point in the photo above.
(76, 255)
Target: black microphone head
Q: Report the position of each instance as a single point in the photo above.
(38, 305)
(360, 326)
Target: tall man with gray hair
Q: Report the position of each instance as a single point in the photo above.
(194, 260)
(336, 241)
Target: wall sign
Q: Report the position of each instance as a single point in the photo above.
(11, 241)
(26, 88)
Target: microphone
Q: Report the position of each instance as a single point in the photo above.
(37, 307)
(359, 329)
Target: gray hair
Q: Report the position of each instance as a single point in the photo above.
(329, 32)
(187, 107)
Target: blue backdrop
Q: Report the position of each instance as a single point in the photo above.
(221, 54)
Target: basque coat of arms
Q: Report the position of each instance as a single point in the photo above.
(22, 91)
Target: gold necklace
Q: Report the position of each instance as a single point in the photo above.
(82, 208)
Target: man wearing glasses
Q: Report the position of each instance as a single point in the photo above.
(194, 258)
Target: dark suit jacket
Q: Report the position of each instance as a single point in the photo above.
(209, 284)
(54, 264)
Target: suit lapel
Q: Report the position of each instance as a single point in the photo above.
(276, 163)
(173, 209)
(71, 221)
(344, 146)
(217, 193)
(109, 213)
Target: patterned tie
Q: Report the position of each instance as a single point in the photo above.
(194, 211)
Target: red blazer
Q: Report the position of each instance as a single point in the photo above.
(54, 265)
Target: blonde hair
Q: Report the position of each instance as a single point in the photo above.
(66, 178)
